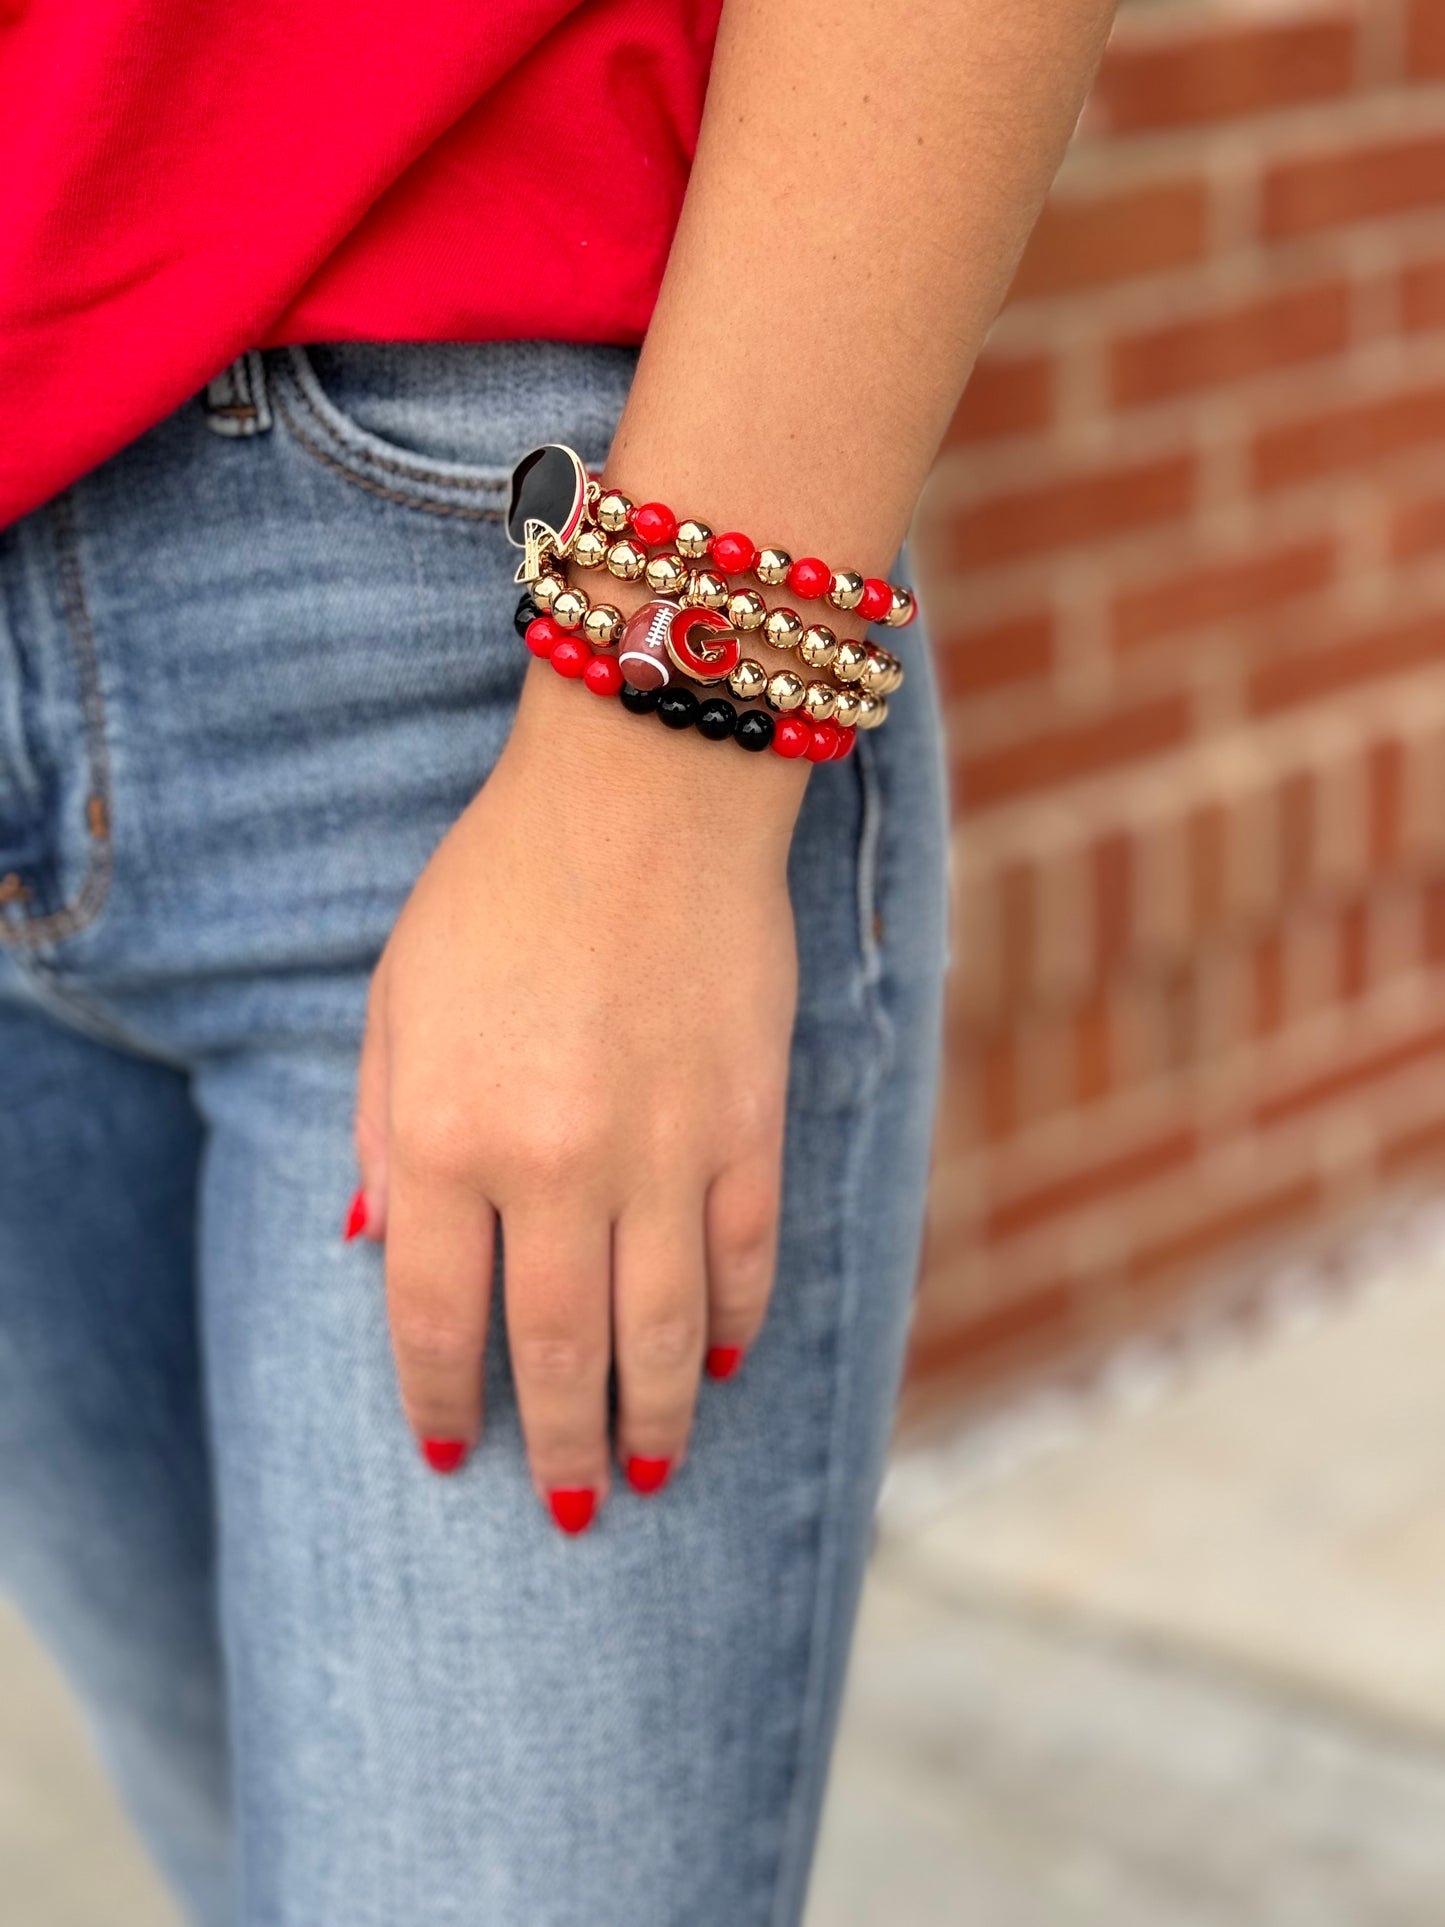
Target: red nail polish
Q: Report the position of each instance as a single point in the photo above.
(355, 1218)
(723, 1360)
(648, 1475)
(573, 1507)
(444, 1455)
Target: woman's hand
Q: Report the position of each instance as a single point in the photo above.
(579, 1030)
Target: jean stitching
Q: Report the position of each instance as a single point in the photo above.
(54, 925)
(361, 458)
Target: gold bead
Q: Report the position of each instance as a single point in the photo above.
(748, 680)
(872, 710)
(820, 699)
(602, 625)
(892, 673)
(846, 705)
(849, 663)
(545, 590)
(693, 539)
(569, 608)
(875, 672)
(783, 628)
(589, 551)
(818, 646)
(746, 609)
(626, 560)
(785, 690)
(613, 511)
(666, 573)
(773, 565)
(902, 609)
(846, 589)
(706, 589)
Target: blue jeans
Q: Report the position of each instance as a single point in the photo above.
(250, 671)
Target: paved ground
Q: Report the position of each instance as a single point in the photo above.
(1186, 1670)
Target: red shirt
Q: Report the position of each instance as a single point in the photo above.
(185, 179)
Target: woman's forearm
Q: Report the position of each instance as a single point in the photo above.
(867, 174)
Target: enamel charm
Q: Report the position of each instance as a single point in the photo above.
(545, 510)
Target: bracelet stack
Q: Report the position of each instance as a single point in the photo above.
(674, 656)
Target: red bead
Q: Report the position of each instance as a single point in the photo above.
(543, 635)
(810, 578)
(733, 553)
(824, 745)
(602, 676)
(791, 736)
(570, 656)
(876, 600)
(654, 523)
(846, 740)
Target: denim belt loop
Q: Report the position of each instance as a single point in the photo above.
(236, 401)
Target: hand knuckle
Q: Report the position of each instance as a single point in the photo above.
(551, 1358)
(423, 1339)
(435, 1140)
(666, 1344)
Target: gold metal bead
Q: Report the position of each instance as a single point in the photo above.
(875, 672)
(545, 590)
(602, 625)
(613, 511)
(783, 628)
(892, 673)
(666, 573)
(820, 699)
(902, 609)
(748, 680)
(846, 589)
(589, 551)
(772, 565)
(706, 589)
(569, 608)
(626, 560)
(872, 710)
(746, 609)
(785, 690)
(693, 539)
(846, 705)
(818, 645)
(850, 661)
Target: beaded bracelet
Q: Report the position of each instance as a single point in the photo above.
(553, 500)
(700, 643)
(677, 706)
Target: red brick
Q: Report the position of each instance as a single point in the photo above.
(1347, 184)
(1354, 950)
(1087, 1186)
(1296, 820)
(1151, 81)
(1091, 240)
(1207, 1237)
(1072, 752)
(998, 1085)
(1387, 803)
(1093, 1051)
(1422, 294)
(1208, 865)
(1006, 395)
(1085, 506)
(1344, 1080)
(1311, 675)
(1036, 1322)
(1221, 591)
(1418, 528)
(1112, 862)
(1354, 435)
(1206, 351)
(1425, 40)
(977, 661)
(1268, 969)
(1017, 937)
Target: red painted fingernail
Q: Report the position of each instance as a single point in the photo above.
(573, 1507)
(723, 1360)
(355, 1218)
(648, 1475)
(444, 1455)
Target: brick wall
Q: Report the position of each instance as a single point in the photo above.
(1185, 554)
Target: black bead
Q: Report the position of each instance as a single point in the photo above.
(755, 729)
(716, 718)
(526, 612)
(641, 702)
(678, 708)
